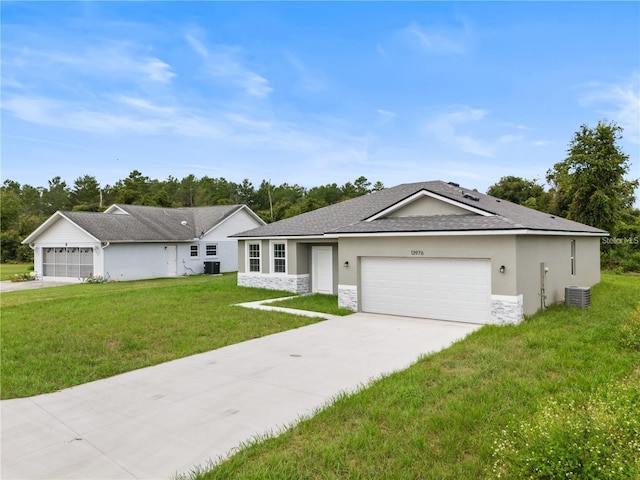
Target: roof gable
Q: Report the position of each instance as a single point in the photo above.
(365, 214)
(426, 204)
(137, 223)
(59, 225)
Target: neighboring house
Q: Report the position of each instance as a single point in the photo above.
(431, 250)
(132, 242)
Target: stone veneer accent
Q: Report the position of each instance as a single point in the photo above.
(288, 283)
(506, 309)
(348, 297)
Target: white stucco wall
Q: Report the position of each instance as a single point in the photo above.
(138, 261)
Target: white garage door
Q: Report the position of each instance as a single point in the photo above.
(437, 288)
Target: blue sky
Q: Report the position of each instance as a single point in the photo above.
(312, 93)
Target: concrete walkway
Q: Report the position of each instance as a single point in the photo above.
(160, 421)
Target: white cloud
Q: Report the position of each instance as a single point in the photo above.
(437, 39)
(619, 102)
(142, 104)
(107, 60)
(385, 116)
(223, 62)
(447, 128)
(307, 79)
(510, 138)
(146, 119)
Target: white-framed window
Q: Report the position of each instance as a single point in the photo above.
(278, 257)
(194, 251)
(253, 257)
(211, 249)
(573, 257)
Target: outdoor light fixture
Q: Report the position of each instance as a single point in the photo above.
(346, 264)
(502, 268)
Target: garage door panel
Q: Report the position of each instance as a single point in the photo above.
(448, 289)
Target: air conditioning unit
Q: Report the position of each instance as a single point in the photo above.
(577, 296)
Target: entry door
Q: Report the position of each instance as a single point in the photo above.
(322, 270)
(172, 260)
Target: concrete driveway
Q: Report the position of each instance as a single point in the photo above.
(155, 422)
(8, 286)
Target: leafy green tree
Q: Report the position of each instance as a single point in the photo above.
(589, 186)
(187, 191)
(517, 190)
(85, 194)
(131, 190)
(246, 193)
(377, 186)
(56, 197)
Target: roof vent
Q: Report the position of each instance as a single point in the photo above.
(470, 197)
(453, 184)
(577, 296)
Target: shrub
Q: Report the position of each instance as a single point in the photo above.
(22, 277)
(630, 330)
(597, 438)
(96, 279)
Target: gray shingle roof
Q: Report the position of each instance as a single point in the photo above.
(151, 224)
(350, 216)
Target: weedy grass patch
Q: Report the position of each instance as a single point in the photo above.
(441, 418)
(316, 302)
(53, 338)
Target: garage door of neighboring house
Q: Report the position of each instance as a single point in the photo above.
(67, 262)
(436, 288)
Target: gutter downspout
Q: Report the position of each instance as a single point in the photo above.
(33, 247)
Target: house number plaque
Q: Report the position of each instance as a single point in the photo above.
(417, 252)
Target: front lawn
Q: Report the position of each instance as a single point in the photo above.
(54, 338)
(315, 303)
(460, 413)
(8, 270)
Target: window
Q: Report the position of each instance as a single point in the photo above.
(573, 257)
(279, 257)
(211, 249)
(194, 250)
(254, 257)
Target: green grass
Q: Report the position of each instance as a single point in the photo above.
(314, 303)
(8, 270)
(54, 338)
(441, 418)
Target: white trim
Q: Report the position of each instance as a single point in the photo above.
(451, 233)
(280, 237)
(50, 221)
(423, 193)
(272, 257)
(315, 269)
(440, 233)
(113, 207)
(247, 268)
(209, 244)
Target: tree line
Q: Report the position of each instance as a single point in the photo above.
(24, 207)
(588, 186)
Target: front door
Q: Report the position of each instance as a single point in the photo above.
(172, 260)
(322, 270)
